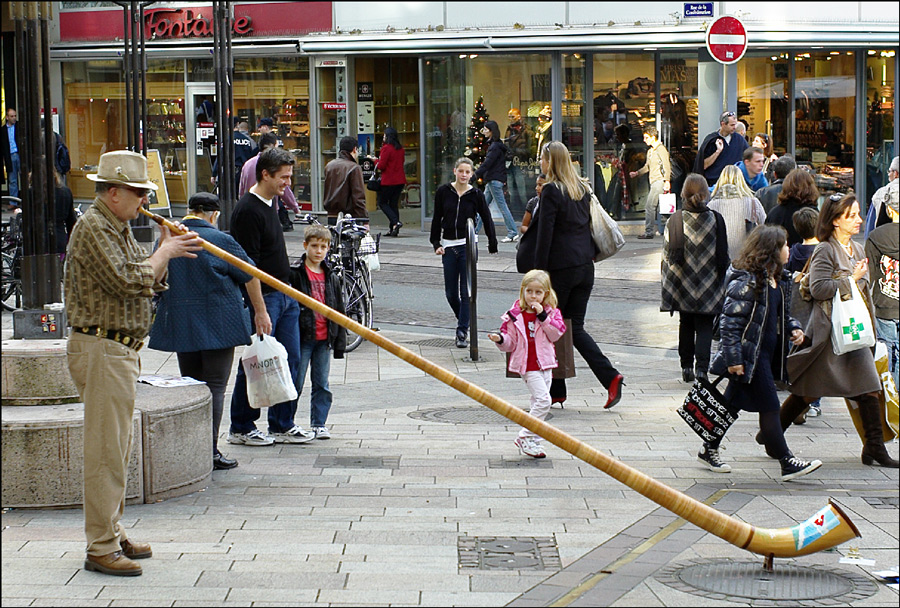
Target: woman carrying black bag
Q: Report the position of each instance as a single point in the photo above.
(756, 332)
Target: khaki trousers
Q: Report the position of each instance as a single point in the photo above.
(105, 373)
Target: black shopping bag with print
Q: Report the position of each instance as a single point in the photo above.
(707, 410)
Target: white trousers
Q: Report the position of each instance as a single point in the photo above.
(539, 385)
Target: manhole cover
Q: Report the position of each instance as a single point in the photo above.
(722, 579)
(508, 553)
(435, 342)
(463, 415)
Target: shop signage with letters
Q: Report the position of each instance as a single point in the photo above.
(189, 23)
(330, 105)
(698, 9)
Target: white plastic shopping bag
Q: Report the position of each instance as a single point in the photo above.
(851, 324)
(667, 203)
(269, 380)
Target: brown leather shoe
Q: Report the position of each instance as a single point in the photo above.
(133, 550)
(114, 563)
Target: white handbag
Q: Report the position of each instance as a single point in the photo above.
(604, 231)
(851, 324)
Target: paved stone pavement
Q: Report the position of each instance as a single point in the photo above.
(416, 475)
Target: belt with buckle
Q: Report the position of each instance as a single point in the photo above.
(115, 336)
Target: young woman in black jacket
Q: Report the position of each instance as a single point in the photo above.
(493, 172)
(454, 204)
(757, 331)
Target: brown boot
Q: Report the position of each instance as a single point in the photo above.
(114, 563)
(133, 550)
(873, 448)
(792, 407)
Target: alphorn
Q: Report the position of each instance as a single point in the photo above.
(828, 528)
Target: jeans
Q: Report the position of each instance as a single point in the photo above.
(494, 192)
(573, 290)
(887, 331)
(214, 368)
(285, 315)
(651, 207)
(316, 355)
(388, 199)
(694, 340)
(456, 286)
(515, 180)
(13, 176)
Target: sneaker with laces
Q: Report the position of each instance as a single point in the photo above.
(814, 411)
(530, 447)
(510, 238)
(254, 437)
(710, 457)
(792, 467)
(295, 435)
(321, 432)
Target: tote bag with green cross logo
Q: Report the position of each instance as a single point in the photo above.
(850, 322)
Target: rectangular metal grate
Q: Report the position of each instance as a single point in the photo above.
(357, 462)
(435, 343)
(508, 553)
(527, 463)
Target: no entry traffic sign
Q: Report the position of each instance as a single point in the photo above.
(726, 40)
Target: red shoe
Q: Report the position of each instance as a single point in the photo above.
(615, 391)
(559, 400)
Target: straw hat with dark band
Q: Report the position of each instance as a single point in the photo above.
(123, 167)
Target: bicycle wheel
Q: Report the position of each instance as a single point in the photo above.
(359, 308)
(11, 287)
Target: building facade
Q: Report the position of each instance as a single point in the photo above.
(820, 84)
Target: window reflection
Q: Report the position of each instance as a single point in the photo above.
(880, 148)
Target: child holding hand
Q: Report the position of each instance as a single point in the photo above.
(528, 332)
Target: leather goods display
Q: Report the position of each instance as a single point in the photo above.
(707, 410)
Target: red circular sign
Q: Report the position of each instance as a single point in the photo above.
(726, 40)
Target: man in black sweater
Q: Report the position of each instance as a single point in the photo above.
(256, 227)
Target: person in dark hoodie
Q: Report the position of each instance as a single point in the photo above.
(884, 269)
(454, 204)
(493, 172)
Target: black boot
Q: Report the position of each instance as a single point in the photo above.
(873, 448)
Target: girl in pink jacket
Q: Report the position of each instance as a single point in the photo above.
(528, 332)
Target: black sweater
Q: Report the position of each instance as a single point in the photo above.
(451, 212)
(256, 228)
(562, 230)
(494, 166)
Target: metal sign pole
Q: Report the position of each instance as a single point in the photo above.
(472, 282)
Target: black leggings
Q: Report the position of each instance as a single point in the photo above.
(214, 368)
(694, 340)
(573, 290)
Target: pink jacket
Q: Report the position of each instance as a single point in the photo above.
(515, 338)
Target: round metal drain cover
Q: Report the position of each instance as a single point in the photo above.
(463, 415)
(788, 583)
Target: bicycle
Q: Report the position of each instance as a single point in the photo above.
(12, 246)
(348, 247)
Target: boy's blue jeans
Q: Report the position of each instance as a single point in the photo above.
(888, 331)
(316, 355)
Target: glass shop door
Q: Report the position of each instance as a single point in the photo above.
(200, 125)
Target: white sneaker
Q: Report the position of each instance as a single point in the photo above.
(814, 411)
(530, 447)
(295, 435)
(510, 239)
(254, 437)
(321, 432)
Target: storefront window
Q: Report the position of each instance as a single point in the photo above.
(825, 97)
(453, 87)
(678, 109)
(763, 100)
(94, 117)
(573, 114)
(880, 88)
(624, 92)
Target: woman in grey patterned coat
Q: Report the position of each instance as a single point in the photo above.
(695, 258)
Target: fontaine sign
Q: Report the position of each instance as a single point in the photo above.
(189, 23)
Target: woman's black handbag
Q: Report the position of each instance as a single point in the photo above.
(374, 183)
(708, 411)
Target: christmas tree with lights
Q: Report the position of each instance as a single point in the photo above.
(478, 143)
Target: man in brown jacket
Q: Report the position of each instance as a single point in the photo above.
(344, 188)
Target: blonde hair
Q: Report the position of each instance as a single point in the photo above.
(561, 171)
(731, 184)
(538, 276)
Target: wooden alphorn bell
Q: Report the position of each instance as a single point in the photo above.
(828, 528)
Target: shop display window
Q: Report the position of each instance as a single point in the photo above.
(880, 147)
(572, 108)
(623, 101)
(764, 103)
(503, 83)
(331, 82)
(387, 90)
(825, 98)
